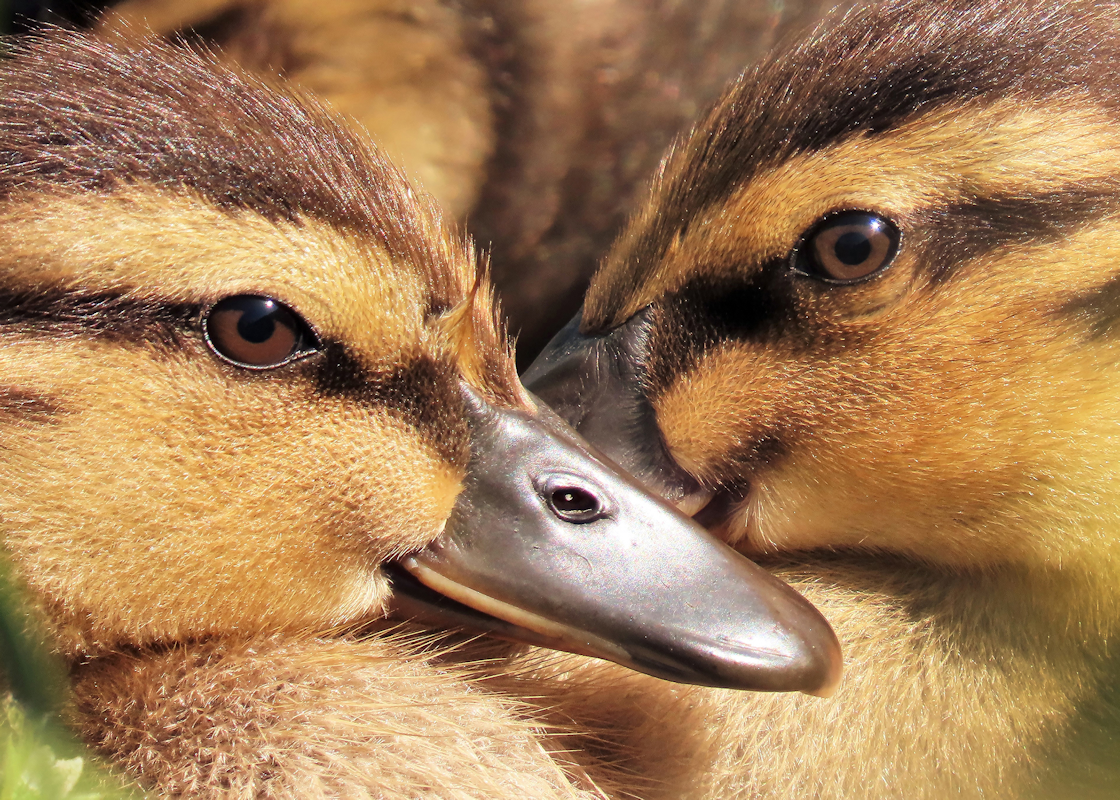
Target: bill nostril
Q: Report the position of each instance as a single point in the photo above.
(574, 504)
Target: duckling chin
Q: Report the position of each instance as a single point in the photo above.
(249, 376)
(870, 305)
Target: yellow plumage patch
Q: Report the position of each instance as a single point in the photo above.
(1006, 147)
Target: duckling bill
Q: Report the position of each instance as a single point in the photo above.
(552, 539)
(611, 408)
(309, 336)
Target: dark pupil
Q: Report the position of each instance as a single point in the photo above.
(574, 500)
(852, 248)
(257, 323)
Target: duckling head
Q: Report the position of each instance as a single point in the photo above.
(870, 301)
(246, 367)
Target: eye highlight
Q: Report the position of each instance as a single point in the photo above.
(847, 247)
(256, 332)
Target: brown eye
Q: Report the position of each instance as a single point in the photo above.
(848, 246)
(256, 332)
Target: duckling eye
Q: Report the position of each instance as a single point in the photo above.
(256, 332)
(573, 504)
(846, 247)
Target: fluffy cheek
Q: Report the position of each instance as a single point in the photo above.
(950, 432)
(833, 471)
(149, 500)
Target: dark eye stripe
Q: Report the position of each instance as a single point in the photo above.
(115, 316)
(962, 232)
(704, 313)
(420, 390)
(761, 306)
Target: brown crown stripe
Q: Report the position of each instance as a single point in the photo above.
(882, 68)
(421, 391)
(79, 114)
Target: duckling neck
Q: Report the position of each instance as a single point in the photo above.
(290, 716)
(956, 684)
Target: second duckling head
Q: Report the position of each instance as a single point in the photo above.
(246, 367)
(870, 301)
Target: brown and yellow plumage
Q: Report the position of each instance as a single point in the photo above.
(251, 390)
(198, 589)
(535, 122)
(122, 221)
(136, 187)
(925, 447)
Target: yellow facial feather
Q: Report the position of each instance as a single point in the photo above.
(1008, 147)
(286, 499)
(145, 242)
(972, 388)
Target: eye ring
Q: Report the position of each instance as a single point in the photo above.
(847, 247)
(256, 332)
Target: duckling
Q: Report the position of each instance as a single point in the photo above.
(254, 392)
(535, 122)
(864, 327)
